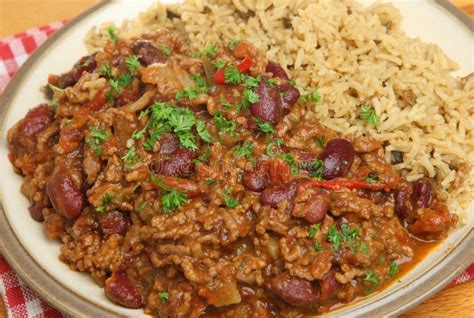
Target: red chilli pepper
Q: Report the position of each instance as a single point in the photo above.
(245, 65)
(338, 185)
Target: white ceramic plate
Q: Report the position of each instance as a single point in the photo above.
(36, 258)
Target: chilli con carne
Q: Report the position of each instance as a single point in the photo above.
(200, 184)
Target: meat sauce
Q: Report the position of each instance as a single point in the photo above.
(201, 184)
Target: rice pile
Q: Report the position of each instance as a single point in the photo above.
(355, 56)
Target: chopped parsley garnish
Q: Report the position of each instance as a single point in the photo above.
(67, 122)
(368, 115)
(223, 124)
(316, 169)
(130, 157)
(104, 202)
(172, 199)
(233, 43)
(166, 50)
(219, 64)
(334, 237)
(202, 131)
(252, 82)
(312, 96)
(313, 229)
(97, 137)
(114, 89)
(317, 246)
(250, 96)
(164, 296)
(245, 150)
(112, 32)
(142, 206)
(279, 142)
(233, 76)
(371, 277)
(381, 259)
(106, 70)
(371, 179)
(230, 201)
(393, 270)
(167, 117)
(192, 92)
(264, 126)
(210, 51)
(272, 82)
(346, 234)
(225, 104)
(132, 63)
(320, 142)
(187, 92)
(364, 248)
(204, 156)
(209, 182)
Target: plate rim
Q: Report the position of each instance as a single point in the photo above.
(70, 302)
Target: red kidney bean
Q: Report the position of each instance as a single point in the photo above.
(64, 192)
(402, 198)
(276, 70)
(254, 181)
(114, 222)
(294, 290)
(120, 290)
(26, 134)
(180, 164)
(306, 158)
(268, 108)
(85, 64)
(337, 158)
(422, 193)
(289, 95)
(275, 194)
(168, 143)
(128, 96)
(329, 285)
(36, 211)
(317, 206)
(147, 53)
(66, 80)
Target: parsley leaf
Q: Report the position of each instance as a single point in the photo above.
(264, 126)
(230, 201)
(251, 96)
(312, 96)
(223, 124)
(233, 76)
(166, 50)
(106, 70)
(55, 104)
(313, 229)
(220, 64)
(252, 82)
(67, 122)
(210, 51)
(209, 182)
(202, 131)
(368, 115)
(371, 179)
(225, 104)
(233, 43)
(130, 157)
(334, 237)
(393, 270)
(112, 32)
(272, 82)
(317, 246)
(132, 63)
(172, 199)
(164, 296)
(97, 137)
(245, 150)
(104, 202)
(55, 89)
(187, 92)
(142, 206)
(317, 169)
(320, 142)
(371, 277)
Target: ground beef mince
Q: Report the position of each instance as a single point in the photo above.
(215, 194)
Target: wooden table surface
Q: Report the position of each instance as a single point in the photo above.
(19, 15)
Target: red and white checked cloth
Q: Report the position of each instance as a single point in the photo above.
(19, 300)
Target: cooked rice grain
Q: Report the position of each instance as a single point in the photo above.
(355, 56)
